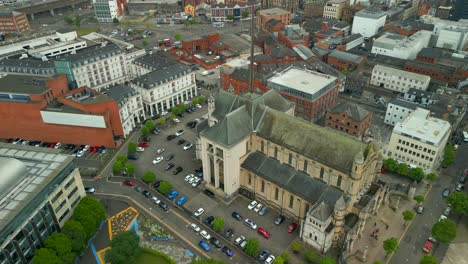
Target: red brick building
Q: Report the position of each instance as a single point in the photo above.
(343, 60)
(13, 22)
(46, 110)
(349, 118)
(266, 14)
(203, 43)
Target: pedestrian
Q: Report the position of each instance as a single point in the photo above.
(386, 227)
(375, 223)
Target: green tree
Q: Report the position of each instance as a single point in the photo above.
(125, 248)
(68, 20)
(428, 260)
(390, 245)
(182, 107)
(444, 231)
(378, 262)
(115, 20)
(117, 167)
(144, 43)
(62, 245)
(132, 146)
(173, 116)
(149, 124)
(245, 14)
(402, 169)
(408, 216)
(201, 99)
(122, 158)
(177, 37)
(89, 213)
(327, 260)
(390, 165)
(88, 222)
(176, 110)
(145, 131)
(286, 256)
(161, 121)
(449, 156)
(130, 168)
(218, 224)
(77, 234)
(345, 71)
(251, 247)
(195, 101)
(230, 17)
(46, 256)
(432, 177)
(278, 260)
(149, 176)
(459, 202)
(419, 198)
(296, 247)
(77, 20)
(207, 261)
(311, 257)
(416, 174)
(165, 187)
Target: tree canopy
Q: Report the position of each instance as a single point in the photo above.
(459, 202)
(61, 245)
(444, 231)
(449, 156)
(46, 256)
(390, 165)
(89, 213)
(148, 176)
(218, 224)
(207, 261)
(416, 174)
(419, 198)
(327, 260)
(408, 215)
(428, 260)
(165, 187)
(130, 168)
(125, 248)
(251, 247)
(117, 167)
(77, 234)
(432, 177)
(390, 245)
(132, 147)
(311, 257)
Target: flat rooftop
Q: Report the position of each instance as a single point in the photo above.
(372, 13)
(273, 12)
(302, 80)
(26, 172)
(14, 84)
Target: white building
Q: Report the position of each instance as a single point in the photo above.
(398, 46)
(398, 110)
(334, 9)
(450, 34)
(107, 10)
(165, 85)
(368, 22)
(398, 80)
(419, 140)
(130, 104)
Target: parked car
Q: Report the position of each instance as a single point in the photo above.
(447, 211)
(460, 187)
(161, 150)
(180, 142)
(291, 227)
(239, 240)
(157, 183)
(140, 149)
(263, 211)
(169, 166)
(250, 224)
(214, 241)
(146, 194)
(279, 220)
(188, 146)
(197, 182)
(179, 133)
(158, 160)
(446, 193)
(163, 206)
(252, 205)
(263, 255)
(208, 193)
(209, 220)
(188, 177)
(177, 170)
(144, 144)
(172, 195)
(227, 251)
(171, 137)
(270, 259)
(420, 209)
(258, 207)
(229, 233)
(169, 157)
(155, 200)
(131, 156)
(195, 228)
(263, 232)
(181, 201)
(205, 235)
(204, 245)
(237, 216)
(89, 190)
(129, 183)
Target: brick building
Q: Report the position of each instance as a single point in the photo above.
(293, 35)
(344, 60)
(202, 43)
(13, 22)
(314, 8)
(279, 14)
(349, 118)
(46, 110)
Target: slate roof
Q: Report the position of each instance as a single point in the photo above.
(405, 104)
(91, 54)
(346, 56)
(353, 111)
(153, 62)
(121, 92)
(301, 184)
(162, 75)
(321, 211)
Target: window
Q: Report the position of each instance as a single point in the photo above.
(305, 165)
(263, 186)
(276, 152)
(250, 179)
(56, 197)
(276, 193)
(290, 159)
(321, 173)
(262, 146)
(338, 182)
(291, 201)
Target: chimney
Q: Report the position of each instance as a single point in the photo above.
(324, 26)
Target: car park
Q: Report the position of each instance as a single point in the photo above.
(155, 200)
(204, 245)
(237, 216)
(170, 157)
(146, 193)
(89, 190)
(279, 220)
(252, 205)
(188, 146)
(195, 228)
(205, 235)
(172, 195)
(181, 200)
(199, 212)
(258, 207)
(446, 193)
(180, 142)
(188, 177)
(227, 251)
(129, 183)
(250, 224)
(215, 242)
(291, 227)
(171, 137)
(209, 220)
(209, 193)
(158, 160)
(169, 166)
(177, 170)
(263, 211)
(140, 149)
(263, 232)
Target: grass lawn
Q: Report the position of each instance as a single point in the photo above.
(147, 258)
(84, 31)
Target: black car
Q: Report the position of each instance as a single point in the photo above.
(146, 193)
(170, 157)
(209, 193)
(163, 206)
(132, 156)
(264, 255)
(177, 170)
(209, 220)
(171, 137)
(156, 116)
(169, 166)
(180, 142)
(146, 139)
(229, 233)
(279, 220)
(154, 131)
(237, 216)
(215, 242)
(180, 115)
(157, 183)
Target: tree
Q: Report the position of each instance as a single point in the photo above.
(176, 110)
(201, 99)
(177, 37)
(115, 20)
(419, 198)
(165, 187)
(378, 262)
(251, 247)
(459, 202)
(77, 234)
(46, 256)
(89, 213)
(327, 260)
(296, 247)
(207, 261)
(195, 101)
(416, 174)
(145, 131)
(149, 176)
(173, 116)
(144, 43)
(149, 124)
(132, 146)
(77, 20)
(218, 224)
(428, 260)
(311, 257)
(345, 71)
(62, 245)
(390, 245)
(278, 260)
(122, 158)
(286, 256)
(408, 215)
(444, 231)
(117, 167)
(432, 177)
(182, 107)
(125, 248)
(230, 17)
(161, 121)
(402, 169)
(245, 14)
(68, 20)
(449, 156)
(390, 165)
(88, 222)
(130, 168)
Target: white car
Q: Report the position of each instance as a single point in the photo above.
(196, 182)
(176, 120)
(58, 145)
(86, 147)
(161, 150)
(199, 212)
(188, 177)
(252, 205)
(270, 259)
(179, 133)
(163, 113)
(156, 200)
(442, 217)
(140, 149)
(188, 146)
(204, 73)
(80, 153)
(198, 105)
(193, 179)
(205, 235)
(250, 224)
(258, 207)
(158, 160)
(195, 228)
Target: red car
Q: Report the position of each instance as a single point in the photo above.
(129, 183)
(263, 232)
(143, 144)
(92, 150)
(383, 170)
(291, 227)
(52, 145)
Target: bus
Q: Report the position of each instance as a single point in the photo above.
(465, 136)
(218, 24)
